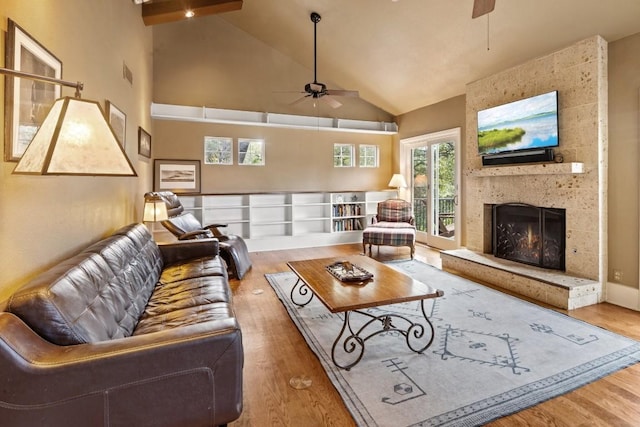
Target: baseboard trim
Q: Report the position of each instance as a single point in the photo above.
(623, 296)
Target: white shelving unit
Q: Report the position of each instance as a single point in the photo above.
(348, 211)
(311, 213)
(270, 215)
(268, 221)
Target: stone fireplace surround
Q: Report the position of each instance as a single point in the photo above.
(579, 73)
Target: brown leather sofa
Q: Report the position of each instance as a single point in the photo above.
(126, 333)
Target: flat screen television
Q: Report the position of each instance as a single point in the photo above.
(527, 124)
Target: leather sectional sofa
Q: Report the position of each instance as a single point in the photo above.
(126, 333)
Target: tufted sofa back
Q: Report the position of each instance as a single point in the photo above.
(97, 295)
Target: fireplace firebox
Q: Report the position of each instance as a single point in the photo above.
(529, 234)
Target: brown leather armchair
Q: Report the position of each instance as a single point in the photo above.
(185, 226)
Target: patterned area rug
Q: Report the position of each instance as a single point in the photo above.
(492, 355)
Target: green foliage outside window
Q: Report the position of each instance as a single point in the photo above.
(343, 155)
(218, 150)
(368, 156)
(251, 152)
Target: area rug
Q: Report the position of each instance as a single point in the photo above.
(493, 355)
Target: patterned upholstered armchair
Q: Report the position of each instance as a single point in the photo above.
(392, 226)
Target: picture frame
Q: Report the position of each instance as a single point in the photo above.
(144, 142)
(27, 102)
(179, 176)
(118, 121)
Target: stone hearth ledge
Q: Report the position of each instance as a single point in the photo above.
(551, 287)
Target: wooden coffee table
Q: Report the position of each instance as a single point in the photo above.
(388, 286)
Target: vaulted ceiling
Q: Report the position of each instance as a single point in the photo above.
(405, 54)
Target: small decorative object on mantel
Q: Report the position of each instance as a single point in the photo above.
(345, 271)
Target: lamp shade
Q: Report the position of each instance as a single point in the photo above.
(154, 209)
(75, 139)
(397, 180)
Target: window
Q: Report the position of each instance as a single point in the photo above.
(343, 155)
(218, 150)
(250, 151)
(368, 156)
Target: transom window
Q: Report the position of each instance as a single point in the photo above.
(368, 156)
(250, 151)
(343, 155)
(218, 150)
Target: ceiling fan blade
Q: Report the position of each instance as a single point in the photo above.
(339, 92)
(333, 103)
(482, 7)
(299, 100)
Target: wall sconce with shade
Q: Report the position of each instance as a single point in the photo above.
(155, 208)
(398, 181)
(74, 139)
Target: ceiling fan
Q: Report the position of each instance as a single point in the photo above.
(482, 7)
(317, 90)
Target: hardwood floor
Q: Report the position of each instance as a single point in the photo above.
(275, 351)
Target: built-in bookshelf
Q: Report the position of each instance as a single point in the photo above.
(268, 221)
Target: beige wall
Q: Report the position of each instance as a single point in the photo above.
(296, 160)
(209, 62)
(624, 158)
(444, 115)
(46, 219)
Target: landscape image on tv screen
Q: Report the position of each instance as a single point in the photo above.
(521, 125)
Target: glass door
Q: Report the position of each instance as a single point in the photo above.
(431, 162)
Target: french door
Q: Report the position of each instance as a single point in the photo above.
(432, 164)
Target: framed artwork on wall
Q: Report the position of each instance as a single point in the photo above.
(144, 143)
(27, 102)
(118, 121)
(179, 176)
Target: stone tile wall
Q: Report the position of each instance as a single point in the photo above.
(579, 74)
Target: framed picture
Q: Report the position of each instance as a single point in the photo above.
(179, 176)
(27, 102)
(144, 143)
(118, 121)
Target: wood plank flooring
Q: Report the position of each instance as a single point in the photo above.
(275, 351)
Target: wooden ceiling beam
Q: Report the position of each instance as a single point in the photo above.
(160, 12)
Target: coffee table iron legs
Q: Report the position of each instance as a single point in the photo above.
(352, 342)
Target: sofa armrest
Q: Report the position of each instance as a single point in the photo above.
(188, 249)
(172, 377)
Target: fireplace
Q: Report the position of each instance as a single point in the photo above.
(529, 234)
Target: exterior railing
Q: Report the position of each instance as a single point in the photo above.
(446, 211)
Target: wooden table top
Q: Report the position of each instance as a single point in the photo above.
(388, 286)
